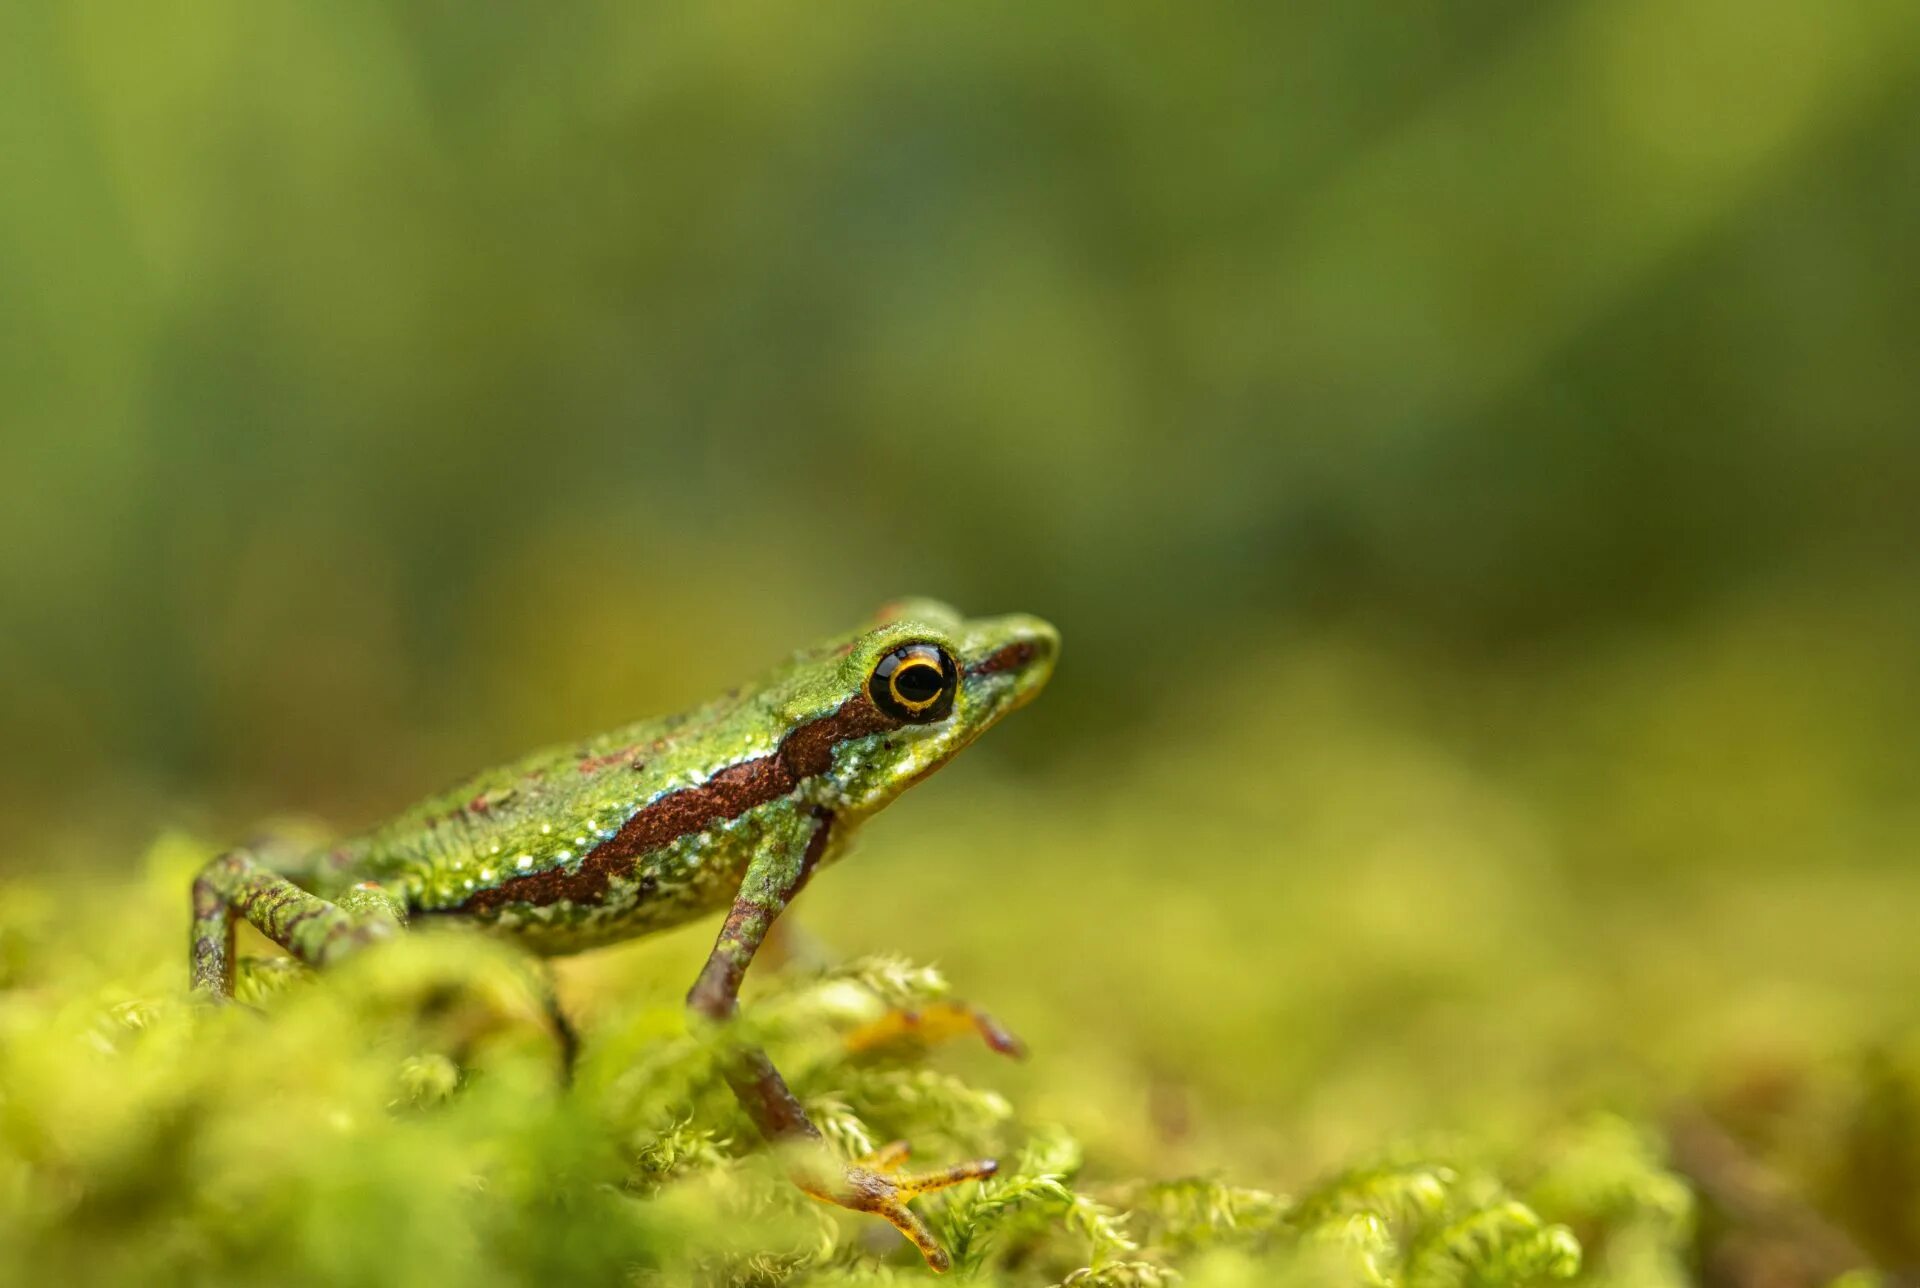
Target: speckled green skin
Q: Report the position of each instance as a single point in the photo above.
(549, 809)
(733, 805)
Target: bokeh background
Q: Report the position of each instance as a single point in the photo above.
(1472, 453)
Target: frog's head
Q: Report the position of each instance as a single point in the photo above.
(918, 685)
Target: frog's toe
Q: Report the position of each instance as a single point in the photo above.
(978, 1169)
(935, 1022)
(888, 1158)
(875, 1184)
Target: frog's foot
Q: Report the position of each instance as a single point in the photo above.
(935, 1022)
(875, 1184)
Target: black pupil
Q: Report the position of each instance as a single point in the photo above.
(917, 682)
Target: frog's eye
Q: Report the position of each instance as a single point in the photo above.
(915, 682)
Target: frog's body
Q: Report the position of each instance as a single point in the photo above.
(732, 805)
(534, 849)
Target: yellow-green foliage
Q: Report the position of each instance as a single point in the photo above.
(402, 1119)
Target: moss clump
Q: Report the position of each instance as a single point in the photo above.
(404, 1120)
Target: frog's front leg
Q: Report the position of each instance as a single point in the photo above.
(776, 874)
(312, 929)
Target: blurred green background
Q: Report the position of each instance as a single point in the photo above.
(1471, 452)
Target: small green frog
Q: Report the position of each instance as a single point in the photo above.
(732, 805)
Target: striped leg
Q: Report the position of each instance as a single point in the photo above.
(313, 930)
(873, 1184)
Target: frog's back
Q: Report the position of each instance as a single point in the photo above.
(544, 813)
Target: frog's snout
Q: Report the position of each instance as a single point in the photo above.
(1019, 649)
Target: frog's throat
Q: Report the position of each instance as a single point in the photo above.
(805, 752)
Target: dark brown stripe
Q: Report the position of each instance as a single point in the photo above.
(1009, 657)
(806, 752)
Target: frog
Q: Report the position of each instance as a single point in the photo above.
(730, 807)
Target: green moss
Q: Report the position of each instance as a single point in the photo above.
(403, 1119)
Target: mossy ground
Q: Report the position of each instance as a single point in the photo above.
(1522, 985)
(403, 1119)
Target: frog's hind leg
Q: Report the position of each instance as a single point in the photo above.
(237, 885)
(565, 1036)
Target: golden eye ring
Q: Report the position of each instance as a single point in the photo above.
(916, 683)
